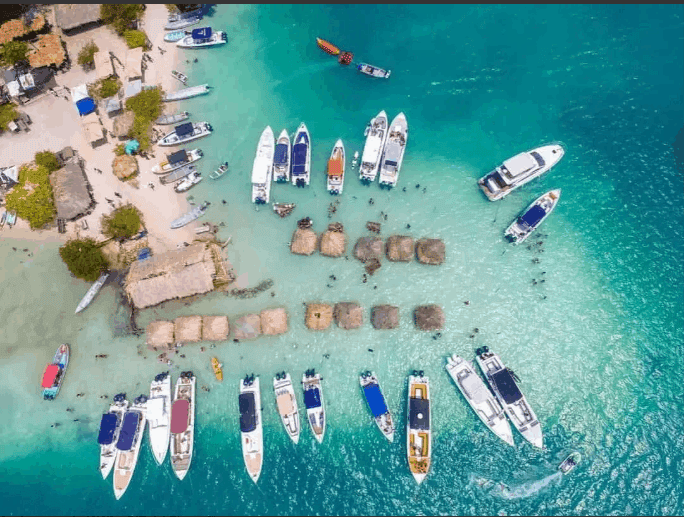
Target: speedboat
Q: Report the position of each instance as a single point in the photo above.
(159, 415)
(287, 404)
(476, 393)
(301, 157)
(373, 71)
(173, 118)
(180, 76)
(535, 214)
(393, 154)
(376, 403)
(251, 426)
(223, 168)
(188, 182)
(178, 174)
(281, 158)
(54, 373)
(520, 169)
(376, 137)
(177, 160)
(202, 38)
(418, 432)
(315, 405)
(92, 292)
(183, 424)
(128, 444)
(172, 37)
(187, 132)
(502, 381)
(327, 47)
(263, 168)
(355, 160)
(110, 426)
(569, 463)
(336, 169)
(193, 214)
(187, 93)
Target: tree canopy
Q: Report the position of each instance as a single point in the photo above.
(48, 160)
(32, 197)
(8, 112)
(84, 258)
(122, 223)
(13, 52)
(121, 16)
(147, 106)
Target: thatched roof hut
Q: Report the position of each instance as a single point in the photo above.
(124, 166)
(133, 63)
(215, 328)
(367, 248)
(103, 64)
(430, 251)
(304, 241)
(318, 316)
(428, 317)
(17, 28)
(70, 17)
(48, 50)
(123, 125)
(71, 191)
(247, 327)
(159, 335)
(385, 317)
(348, 315)
(334, 241)
(188, 328)
(399, 248)
(273, 321)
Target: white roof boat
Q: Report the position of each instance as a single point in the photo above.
(373, 71)
(186, 132)
(263, 168)
(251, 426)
(177, 160)
(203, 37)
(128, 444)
(172, 37)
(92, 292)
(336, 165)
(569, 463)
(533, 216)
(315, 405)
(180, 76)
(286, 403)
(376, 137)
(188, 182)
(181, 173)
(55, 372)
(301, 157)
(393, 154)
(193, 214)
(281, 158)
(376, 404)
(187, 93)
(476, 393)
(159, 415)
(418, 432)
(173, 118)
(520, 169)
(110, 426)
(502, 382)
(182, 424)
(223, 168)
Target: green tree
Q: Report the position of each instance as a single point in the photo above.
(84, 258)
(8, 112)
(122, 223)
(13, 51)
(120, 16)
(32, 197)
(48, 160)
(147, 106)
(87, 54)
(135, 38)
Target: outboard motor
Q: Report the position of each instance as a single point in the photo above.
(414, 373)
(277, 376)
(141, 399)
(420, 373)
(120, 397)
(368, 373)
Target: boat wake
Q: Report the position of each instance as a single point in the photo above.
(517, 492)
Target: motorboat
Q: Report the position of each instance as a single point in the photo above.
(181, 20)
(569, 463)
(54, 373)
(418, 432)
(336, 165)
(172, 37)
(128, 444)
(188, 182)
(315, 405)
(180, 76)
(110, 426)
(173, 118)
(218, 369)
(159, 415)
(186, 132)
(177, 160)
(533, 216)
(263, 168)
(286, 403)
(11, 218)
(502, 380)
(393, 154)
(203, 37)
(301, 157)
(376, 137)
(476, 393)
(251, 426)
(187, 93)
(281, 158)
(376, 404)
(92, 292)
(327, 47)
(182, 424)
(178, 174)
(373, 71)
(193, 214)
(519, 170)
(223, 168)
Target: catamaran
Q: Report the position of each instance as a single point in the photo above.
(502, 381)
(287, 404)
(159, 415)
(193, 214)
(418, 432)
(203, 37)
(251, 426)
(182, 424)
(393, 154)
(281, 158)
(186, 132)
(178, 174)
(315, 405)
(187, 93)
(92, 292)
(519, 170)
(377, 405)
(523, 226)
(177, 160)
(188, 182)
(54, 373)
(263, 168)
(110, 426)
(476, 393)
(128, 445)
(173, 118)
(301, 157)
(336, 165)
(376, 137)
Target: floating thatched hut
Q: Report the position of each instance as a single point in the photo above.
(215, 328)
(385, 317)
(430, 251)
(304, 241)
(367, 248)
(159, 335)
(334, 241)
(273, 321)
(400, 248)
(348, 315)
(428, 317)
(188, 329)
(318, 316)
(247, 327)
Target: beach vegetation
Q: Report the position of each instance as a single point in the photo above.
(8, 112)
(13, 51)
(104, 88)
(84, 258)
(122, 223)
(48, 160)
(135, 38)
(121, 17)
(119, 150)
(32, 197)
(86, 57)
(147, 106)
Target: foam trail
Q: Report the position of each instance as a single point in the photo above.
(525, 490)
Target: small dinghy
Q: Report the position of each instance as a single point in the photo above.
(188, 182)
(180, 76)
(223, 168)
(281, 158)
(569, 463)
(193, 214)
(523, 226)
(174, 118)
(373, 71)
(92, 292)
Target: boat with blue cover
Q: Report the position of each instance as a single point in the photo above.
(159, 415)
(128, 444)
(418, 431)
(315, 405)
(281, 158)
(376, 404)
(534, 215)
(54, 373)
(110, 426)
(301, 157)
(203, 37)
(251, 427)
(186, 132)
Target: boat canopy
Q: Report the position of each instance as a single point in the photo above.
(247, 405)
(392, 153)
(372, 149)
(107, 428)
(335, 167)
(419, 414)
(280, 156)
(312, 398)
(476, 391)
(50, 375)
(177, 157)
(201, 33)
(375, 399)
(507, 387)
(520, 163)
(299, 158)
(260, 170)
(155, 411)
(179, 416)
(184, 129)
(128, 429)
(532, 217)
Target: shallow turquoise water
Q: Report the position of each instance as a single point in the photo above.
(597, 344)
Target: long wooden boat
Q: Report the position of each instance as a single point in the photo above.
(193, 214)
(187, 93)
(327, 47)
(92, 292)
(54, 373)
(174, 118)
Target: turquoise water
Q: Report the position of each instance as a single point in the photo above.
(597, 344)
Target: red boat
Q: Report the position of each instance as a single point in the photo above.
(328, 47)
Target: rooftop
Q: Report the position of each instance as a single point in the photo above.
(15, 28)
(71, 16)
(49, 51)
(71, 190)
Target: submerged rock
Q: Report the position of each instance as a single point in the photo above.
(304, 241)
(430, 251)
(247, 327)
(400, 248)
(367, 248)
(273, 321)
(428, 317)
(318, 316)
(348, 315)
(372, 266)
(385, 317)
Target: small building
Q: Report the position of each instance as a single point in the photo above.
(103, 65)
(112, 106)
(71, 190)
(48, 51)
(73, 18)
(93, 129)
(9, 176)
(133, 64)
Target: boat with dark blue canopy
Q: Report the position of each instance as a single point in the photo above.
(248, 419)
(107, 429)
(312, 398)
(377, 405)
(203, 37)
(109, 433)
(128, 430)
(281, 158)
(315, 405)
(533, 216)
(301, 157)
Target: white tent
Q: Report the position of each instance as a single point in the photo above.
(92, 128)
(79, 92)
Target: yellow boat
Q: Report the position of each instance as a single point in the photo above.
(218, 370)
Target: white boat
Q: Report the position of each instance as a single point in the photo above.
(182, 23)
(376, 137)
(193, 214)
(315, 405)
(173, 118)
(569, 463)
(187, 93)
(177, 160)
(186, 132)
(188, 182)
(251, 429)
(263, 168)
(223, 168)
(373, 71)
(281, 158)
(128, 445)
(393, 154)
(178, 174)
(159, 415)
(182, 424)
(336, 165)
(519, 170)
(92, 292)
(110, 426)
(301, 157)
(355, 160)
(172, 37)
(203, 37)
(180, 76)
(287, 404)
(3, 218)
(534, 215)
(377, 405)
(476, 393)
(418, 432)
(502, 381)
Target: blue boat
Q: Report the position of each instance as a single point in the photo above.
(301, 157)
(534, 215)
(315, 406)
(128, 444)
(54, 373)
(376, 404)
(110, 426)
(174, 36)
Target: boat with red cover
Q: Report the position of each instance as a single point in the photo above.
(328, 47)
(182, 424)
(54, 373)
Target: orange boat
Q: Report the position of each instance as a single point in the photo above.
(328, 47)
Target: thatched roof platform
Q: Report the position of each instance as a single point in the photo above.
(215, 328)
(430, 251)
(247, 327)
(48, 50)
(428, 317)
(188, 328)
(160, 335)
(318, 316)
(334, 241)
(273, 321)
(385, 317)
(367, 248)
(71, 191)
(348, 315)
(304, 241)
(399, 248)
(70, 17)
(124, 166)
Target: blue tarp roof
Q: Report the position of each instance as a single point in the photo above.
(312, 398)
(184, 129)
(131, 146)
(376, 401)
(85, 106)
(144, 253)
(128, 428)
(107, 428)
(201, 33)
(280, 156)
(533, 216)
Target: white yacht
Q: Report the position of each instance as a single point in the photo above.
(287, 404)
(502, 382)
(377, 405)
(128, 444)
(251, 426)
(476, 393)
(393, 154)
(301, 157)
(336, 164)
(202, 38)
(281, 158)
(376, 138)
(418, 432)
(159, 415)
(177, 160)
(523, 226)
(263, 168)
(520, 169)
(183, 424)
(186, 132)
(315, 405)
(110, 427)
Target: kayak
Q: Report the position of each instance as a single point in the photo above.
(218, 370)
(327, 47)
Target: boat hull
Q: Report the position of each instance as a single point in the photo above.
(393, 153)
(187, 93)
(262, 169)
(335, 183)
(108, 452)
(384, 422)
(166, 120)
(328, 47)
(373, 148)
(194, 214)
(315, 415)
(200, 130)
(281, 170)
(61, 358)
(181, 444)
(301, 166)
(126, 461)
(92, 292)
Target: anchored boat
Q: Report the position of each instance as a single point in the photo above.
(92, 292)
(251, 426)
(174, 118)
(203, 38)
(188, 182)
(281, 158)
(286, 403)
(301, 157)
(263, 168)
(315, 405)
(180, 20)
(187, 93)
(178, 174)
(377, 405)
(110, 427)
(373, 71)
(159, 415)
(569, 463)
(336, 164)
(177, 160)
(393, 154)
(128, 445)
(174, 36)
(187, 132)
(218, 369)
(180, 76)
(523, 226)
(327, 47)
(193, 214)
(183, 424)
(376, 137)
(418, 432)
(223, 168)
(54, 373)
